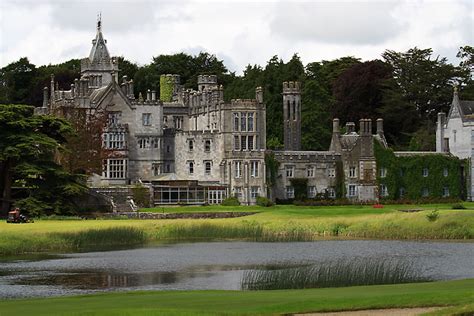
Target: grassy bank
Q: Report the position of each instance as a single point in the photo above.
(280, 223)
(459, 293)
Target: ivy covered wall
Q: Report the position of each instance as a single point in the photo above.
(418, 176)
(166, 88)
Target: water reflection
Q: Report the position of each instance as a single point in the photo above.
(218, 265)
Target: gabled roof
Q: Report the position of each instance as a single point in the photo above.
(98, 95)
(461, 109)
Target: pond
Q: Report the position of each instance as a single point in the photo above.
(213, 265)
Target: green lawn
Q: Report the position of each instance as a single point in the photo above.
(459, 293)
(278, 223)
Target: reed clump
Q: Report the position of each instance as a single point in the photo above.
(104, 238)
(332, 274)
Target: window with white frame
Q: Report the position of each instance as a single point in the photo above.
(445, 191)
(445, 172)
(191, 167)
(383, 190)
(311, 191)
(254, 168)
(113, 140)
(207, 167)
(237, 169)
(243, 142)
(383, 172)
(352, 190)
(156, 169)
(236, 142)
(250, 142)
(425, 192)
(331, 173)
(238, 192)
(290, 192)
(310, 171)
(143, 142)
(352, 172)
(115, 168)
(114, 118)
(207, 145)
(290, 171)
(146, 119)
(243, 121)
(178, 122)
(254, 192)
(425, 172)
(190, 144)
(331, 193)
(250, 122)
(236, 122)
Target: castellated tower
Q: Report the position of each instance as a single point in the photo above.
(207, 82)
(292, 115)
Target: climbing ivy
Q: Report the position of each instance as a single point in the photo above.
(272, 166)
(407, 173)
(340, 187)
(166, 88)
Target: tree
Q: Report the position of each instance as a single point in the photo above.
(28, 146)
(466, 54)
(358, 91)
(15, 81)
(424, 81)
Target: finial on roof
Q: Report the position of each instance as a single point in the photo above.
(456, 88)
(99, 20)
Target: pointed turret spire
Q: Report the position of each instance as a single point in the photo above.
(99, 64)
(99, 52)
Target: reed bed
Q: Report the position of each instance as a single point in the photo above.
(104, 238)
(332, 274)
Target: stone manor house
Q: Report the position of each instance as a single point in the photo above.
(192, 147)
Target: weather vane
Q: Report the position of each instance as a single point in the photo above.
(99, 20)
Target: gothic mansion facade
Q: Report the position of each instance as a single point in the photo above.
(192, 147)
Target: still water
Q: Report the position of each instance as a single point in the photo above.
(213, 265)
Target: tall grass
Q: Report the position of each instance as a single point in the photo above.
(332, 274)
(104, 238)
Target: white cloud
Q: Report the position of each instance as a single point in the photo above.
(240, 32)
(343, 22)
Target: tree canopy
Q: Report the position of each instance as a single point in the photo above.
(407, 89)
(28, 147)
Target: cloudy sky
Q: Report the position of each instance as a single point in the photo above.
(239, 32)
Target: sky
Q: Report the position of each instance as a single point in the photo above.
(238, 32)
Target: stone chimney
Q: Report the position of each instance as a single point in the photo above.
(350, 127)
(336, 133)
(45, 97)
(259, 94)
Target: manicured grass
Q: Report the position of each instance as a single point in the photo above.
(279, 223)
(278, 302)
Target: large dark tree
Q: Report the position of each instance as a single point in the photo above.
(16, 81)
(28, 147)
(358, 91)
(424, 81)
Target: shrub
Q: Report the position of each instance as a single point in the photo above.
(432, 216)
(231, 201)
(458, 206)
(263, 201)
(141, 195)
